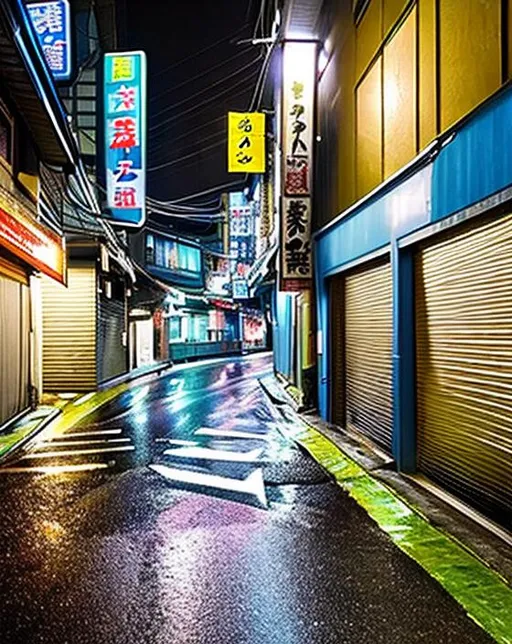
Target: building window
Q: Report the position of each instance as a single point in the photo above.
(150, 249)
(5, 137)
(172, 255)
(175, 329)
(198, 328)
(189, 258)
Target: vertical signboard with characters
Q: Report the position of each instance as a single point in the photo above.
(299, 81)
(125, 137)
(51, 23)
(246, 142)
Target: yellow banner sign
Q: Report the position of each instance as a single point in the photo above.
(246, 142)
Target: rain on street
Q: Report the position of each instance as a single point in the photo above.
(182, 512)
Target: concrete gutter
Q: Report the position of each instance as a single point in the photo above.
(471, 563)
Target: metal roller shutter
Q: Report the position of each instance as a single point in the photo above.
(368, 352)
(112, 355)
(14, 347)
(337, 366)
(464, 364)
(69, 331)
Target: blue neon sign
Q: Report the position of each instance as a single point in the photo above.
(51, 22)
(125, 136)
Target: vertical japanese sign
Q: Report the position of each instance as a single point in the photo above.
(299, 80)
(125, 136)
(51, 22)
(242, 241)
(246, 142)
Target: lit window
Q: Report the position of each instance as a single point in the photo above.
(150, 249)
(175, 329)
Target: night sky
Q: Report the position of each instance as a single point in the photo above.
(196, 74)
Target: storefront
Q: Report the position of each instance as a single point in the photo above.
(463, 307)
(414, 308)
(254, 329)
(14, 339)
(85, 327)
(25, 247)
(361, 367)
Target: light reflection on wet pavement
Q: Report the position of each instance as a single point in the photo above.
(201, 523)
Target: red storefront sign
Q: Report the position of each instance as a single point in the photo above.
(29, 240)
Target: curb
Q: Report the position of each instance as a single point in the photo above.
(62, 418)
(483, 593)
(130, 376)
(25, 440)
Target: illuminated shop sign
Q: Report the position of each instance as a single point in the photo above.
(53, 28)
(125, 136)
(299, 72)
(28, 240)
(246, 142)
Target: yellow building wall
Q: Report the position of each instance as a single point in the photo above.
(400, 107)
(391, 11)
(427, 85)
(402, 83)
(369, 36)
(470, 55)
(369, 130)
(347, 112)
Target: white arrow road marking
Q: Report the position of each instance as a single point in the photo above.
(176, 441)
(78, 452)
(69, 443)
(229, 433)
(205, 453)
(55, 469)
(252, 485)
(85, 434)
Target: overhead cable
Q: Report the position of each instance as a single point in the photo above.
(201, 105)
(187, 156)
(228, 38)
(193, 144)
(206, 72)
(206, 89)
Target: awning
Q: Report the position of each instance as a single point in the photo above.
(301, 19)
(24, 71)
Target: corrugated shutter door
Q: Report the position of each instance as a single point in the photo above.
(337, 341)
(69, 331)
(14, 347)
(112, 355)
(464, 364)
(368, 353)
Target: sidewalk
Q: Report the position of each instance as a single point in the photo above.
(62, 413)
(472, 564)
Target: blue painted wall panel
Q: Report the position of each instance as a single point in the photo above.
(474, 165)
(393, 215)
(283, 334)
(477, 162)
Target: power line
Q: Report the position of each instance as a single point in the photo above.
(206, 89)
(192, 145)
(188, 156)
(201, 51)
(208, 191)
(161, 144)
(201, 105)
(173, 88)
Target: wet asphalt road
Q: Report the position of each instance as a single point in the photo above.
(194, 520)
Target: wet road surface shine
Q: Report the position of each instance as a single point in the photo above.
(160, 545)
